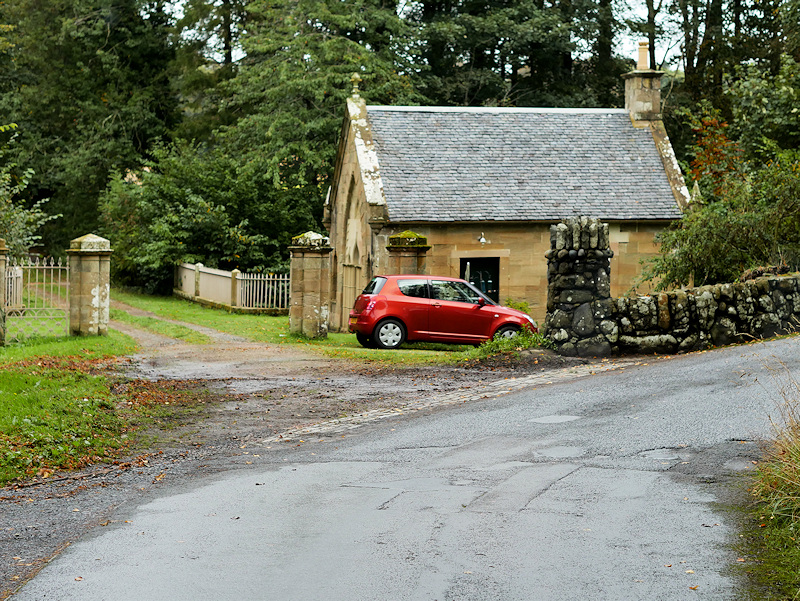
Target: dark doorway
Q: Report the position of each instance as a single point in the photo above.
(484, 274)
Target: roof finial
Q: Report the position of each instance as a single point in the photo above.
(356, 79)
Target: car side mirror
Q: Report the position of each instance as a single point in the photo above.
(481, 301)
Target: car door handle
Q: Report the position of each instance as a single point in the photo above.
(436, 304)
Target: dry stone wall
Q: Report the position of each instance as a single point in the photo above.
(582, 318)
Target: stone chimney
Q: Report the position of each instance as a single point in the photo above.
(643, 90)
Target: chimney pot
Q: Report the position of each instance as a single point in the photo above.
(643, 63)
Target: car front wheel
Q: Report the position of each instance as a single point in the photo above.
(389, 334)
(507, 332)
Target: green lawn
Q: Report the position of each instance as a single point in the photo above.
(55, 414)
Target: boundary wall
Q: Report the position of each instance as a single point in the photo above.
(583, 319)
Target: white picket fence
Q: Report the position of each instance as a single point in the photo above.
(233, 289)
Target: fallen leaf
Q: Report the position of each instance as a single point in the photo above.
(79, 578)
(690, 571)
(692, 588)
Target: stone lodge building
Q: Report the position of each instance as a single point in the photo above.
(483, 185)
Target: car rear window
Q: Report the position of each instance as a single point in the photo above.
(374, 286)
(415, 288)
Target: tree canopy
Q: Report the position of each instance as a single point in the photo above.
(165, 127)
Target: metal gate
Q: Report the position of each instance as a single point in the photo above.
(37, 298)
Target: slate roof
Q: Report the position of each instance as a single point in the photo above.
(448, 164)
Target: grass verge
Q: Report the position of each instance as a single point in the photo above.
(159, 326)
(771, 534)
(61, 409)
(56, 411)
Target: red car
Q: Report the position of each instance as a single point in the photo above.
(396, 308)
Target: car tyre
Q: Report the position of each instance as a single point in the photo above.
(364, 340)
(389, 334)
(508, 331)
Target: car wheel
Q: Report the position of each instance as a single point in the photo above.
(364, 340)
(389, 334)
(508, 331)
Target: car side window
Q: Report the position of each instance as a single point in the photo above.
(454, 291)
(415, 288)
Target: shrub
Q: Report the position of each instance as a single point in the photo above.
(755, 222)
(525, 339)
(777, 485)
(518, 305)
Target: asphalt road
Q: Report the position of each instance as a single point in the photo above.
(605, 487)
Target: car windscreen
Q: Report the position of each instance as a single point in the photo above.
(488, 300)
(374, 286)
(415, 288)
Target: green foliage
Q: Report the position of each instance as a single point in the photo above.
(86, 82)
(516, 53)
(766, 109)
(790, 16)
(518, 305)
(291, 91)
(525, 339)
(755, 222)
(773, 523)
(200, 208)
(236, 199)
(18, 226)
(715, 157)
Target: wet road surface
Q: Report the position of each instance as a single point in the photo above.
(603, 487)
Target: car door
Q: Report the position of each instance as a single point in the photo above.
(413, 304)
(456, 313)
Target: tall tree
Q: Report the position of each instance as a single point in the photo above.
(517, 52)
(289, 93)
(86, 81)
(237, 198)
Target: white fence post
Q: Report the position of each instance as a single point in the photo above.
(235, 287)
(197, 267)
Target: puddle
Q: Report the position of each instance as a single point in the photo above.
(661, 455)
